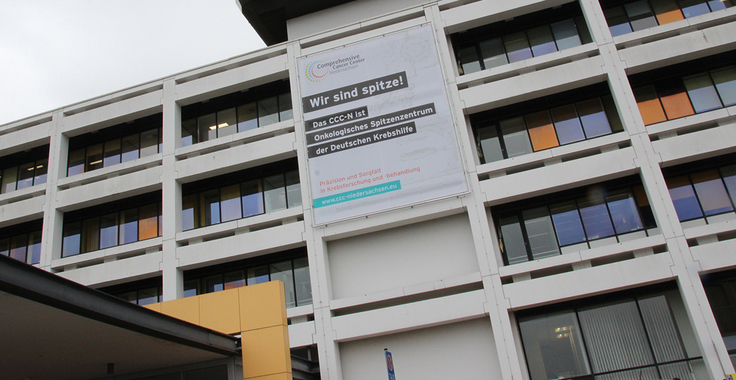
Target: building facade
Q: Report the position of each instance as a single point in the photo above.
(595, 240)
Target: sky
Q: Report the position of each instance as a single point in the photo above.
(54, 53)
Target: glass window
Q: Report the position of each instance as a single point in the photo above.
(293, 189)
(729, 178)
(207, 126)
(541, 40)
(282, 271)
(692, 8)
(34, 248)
(76, 162)
(515, 137)
(226, 124)
(112, 153)
(72, 239)
(667, 11)
(567, 223)
(702, 93)
(593, 117)
(189, 213)
(213, 284)
(517, 47)
(513, 240)
(541, 131)
(711, 192)
(649, 105)
(268, 111)
(211, 206)
(302, 282)
(90, 235)
(540, 233)
(191, 288)
(675, 101)
(230, 203)
(640, 15)
(683, 196)
(188, 132)
(612, 113)
(596, 220)
(10, 178)
(567, 124)
(489, 145)
(130, 148)
(109, 230)
(18, 247)
(40, 172)
(258, 275)
(623, 211)
(468, 58)
(149, 143)
(566, 34)
(25, 175)
(247, 117)
(285, 111)
(148, 296)
(234, 279)
(492, 52)
(274, 193)
(148, 222)
(252, 198)
(94, 157)
(128, 226)
(717, 5)
(617, 21)
(5, 246)
(553, 346)
(725, 80)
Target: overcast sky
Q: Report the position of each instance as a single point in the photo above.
(59, 52)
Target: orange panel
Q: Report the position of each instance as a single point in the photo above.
(670, 16)
(649, 105)
(186, 309)
(147, 228)
(220, 311)
(266, 352)
(677, 105)
(271, 305)
(541, 131)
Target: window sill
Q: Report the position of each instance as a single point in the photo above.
(685, 124)
(110, 172)
(242, 225)
(531, 64)
(22, 194)
(240, 138)
(105, 255)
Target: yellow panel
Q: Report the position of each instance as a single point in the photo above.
(280, 376)
(220, 311)
(266, 351)
(262, 305)
(186, 309)
(154, 307)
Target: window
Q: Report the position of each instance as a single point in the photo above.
(113, 224)
(684, 90)
(630, 16)
(635, 334)
(115, 145)
(22, 242)
(522, 38)
(290, 267)
(545, 123)
(702, 189)
(25, 169)
(239, 195)
(543, 227)
(721, 291)
(239, 112)
(143, 292)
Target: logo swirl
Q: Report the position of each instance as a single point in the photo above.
(315, 73)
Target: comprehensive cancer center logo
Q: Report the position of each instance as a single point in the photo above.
(317, 71)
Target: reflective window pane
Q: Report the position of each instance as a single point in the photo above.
(285, 111)
(189, 214)
(72, 239)
(213, 284)
(293, 189)
(596, 219)
(130, 148)
(553, 346)
(683, 196)
(112, 153)
(649, 105)
(210, 201)
(230, 203)
(233, 280)
(692, 8)
(468, 58)
(624, 212)
(25, 175)
(33, 255)
(725, 80)
(517, 47)
(702, 92)
(541, 41)
(128, 226)
(711, 192)
(568, 126)
(188, 132)
(541, 131)
(191, 288)
(513, 240)
(302, 282)
(226, 124)
(274, 193)
(593, 117)
(40, 172)
(282, 271)
(611, 113)
(617, 21)
(10, 179)
(493, 53)
(667, 11)
(489, 145)
(729, 178)
(675, 101)
(207, 127)
(252, 198)
(247, 117)
(566, 34)
(19, 247)
(515, 137)
(109, 231)
(5, 246)
(148, 222)
(640, 16)
(258, 275)
(567, 222)
(149, 143)
(94, 157)
(268, 111)
(540, 233)
(90, 235)
(148, 296)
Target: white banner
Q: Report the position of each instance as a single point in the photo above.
(379, 130)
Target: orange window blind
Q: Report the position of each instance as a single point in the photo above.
(677, 105)
(649, 105)
(541, 131)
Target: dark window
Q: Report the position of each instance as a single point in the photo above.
(721, 291)
(143, 292)
(239, 112)
(545, 123)
(541, 227)
(242, 194)
(22, 242)
(290, 267)
(115, 145)
(25, 169)
(521, 38)
(108, 225)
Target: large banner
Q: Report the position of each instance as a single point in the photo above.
(378, 126)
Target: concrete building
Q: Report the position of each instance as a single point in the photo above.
(595, 237)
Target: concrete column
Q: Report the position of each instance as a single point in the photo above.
(173, 278)
(53, 220)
